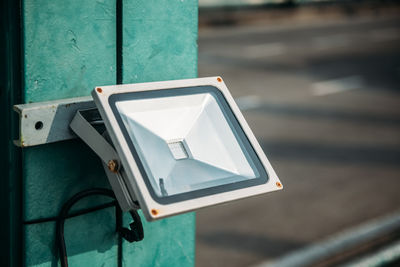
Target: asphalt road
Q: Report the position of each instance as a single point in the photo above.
(323, 99)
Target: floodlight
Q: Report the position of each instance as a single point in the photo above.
(175, 146)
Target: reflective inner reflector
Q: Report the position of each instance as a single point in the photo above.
(185, 143)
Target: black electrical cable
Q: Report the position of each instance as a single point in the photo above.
(131, 235)
(74, 214)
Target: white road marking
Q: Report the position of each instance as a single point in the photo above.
(264, 50)
(337, 85)
(248, 102)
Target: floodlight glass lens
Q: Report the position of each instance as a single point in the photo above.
(185, 142)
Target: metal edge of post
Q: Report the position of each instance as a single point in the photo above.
(10, 93)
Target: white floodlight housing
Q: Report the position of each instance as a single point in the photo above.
(180, 145)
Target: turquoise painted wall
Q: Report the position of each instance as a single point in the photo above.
(69, 47)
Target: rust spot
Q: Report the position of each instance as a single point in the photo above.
(278, 184)
(154, 212)
(219, 79)
(98, 89)
(113, 166)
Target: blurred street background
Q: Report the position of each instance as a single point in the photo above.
(319, 84)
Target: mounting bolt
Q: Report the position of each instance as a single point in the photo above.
(113, 166)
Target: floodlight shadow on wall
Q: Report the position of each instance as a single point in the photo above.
(175, 146)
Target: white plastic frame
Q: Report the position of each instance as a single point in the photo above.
(135, 182)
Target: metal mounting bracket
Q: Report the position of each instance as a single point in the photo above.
(64, 119)
(84, 125)
(48, 122)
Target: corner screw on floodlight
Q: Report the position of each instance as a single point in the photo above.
(175, 146)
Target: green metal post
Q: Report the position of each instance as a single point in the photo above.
(160, 43)
(67, 48)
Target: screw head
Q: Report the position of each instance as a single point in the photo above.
(113, 165)
(154, 212)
